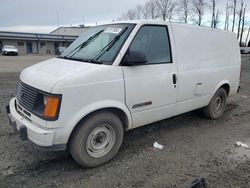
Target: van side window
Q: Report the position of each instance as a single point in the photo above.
(154, 42)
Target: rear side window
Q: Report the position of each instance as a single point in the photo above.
(154, 42)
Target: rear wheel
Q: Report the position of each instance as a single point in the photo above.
(97, 140)
(217, 105)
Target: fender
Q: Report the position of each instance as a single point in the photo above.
(218, 86)
(94, 107)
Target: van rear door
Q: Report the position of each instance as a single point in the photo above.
(151, 87)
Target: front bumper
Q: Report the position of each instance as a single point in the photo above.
(10, 53)
(27, 130)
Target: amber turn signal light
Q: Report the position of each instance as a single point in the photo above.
(51, 107)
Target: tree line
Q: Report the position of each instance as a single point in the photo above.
(200, 12)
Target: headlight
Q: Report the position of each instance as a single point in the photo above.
(47, 106)
(45, 100)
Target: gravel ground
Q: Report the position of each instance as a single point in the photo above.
(11, 64)
(193, 147)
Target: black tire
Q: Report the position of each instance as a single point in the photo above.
(217, 105)
(85, 139)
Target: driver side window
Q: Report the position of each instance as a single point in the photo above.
(153, 42)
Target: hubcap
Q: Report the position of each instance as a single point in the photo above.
(100, 141)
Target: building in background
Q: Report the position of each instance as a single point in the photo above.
(75, 31)
(37, 43)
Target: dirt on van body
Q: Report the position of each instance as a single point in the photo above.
(193, 147)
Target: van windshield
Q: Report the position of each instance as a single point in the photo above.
(99, 44)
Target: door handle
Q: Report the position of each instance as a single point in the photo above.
(174, 79)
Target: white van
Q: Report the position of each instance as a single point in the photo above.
(121, 76)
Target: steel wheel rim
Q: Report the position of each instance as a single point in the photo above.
(218, 104)
(100, 141)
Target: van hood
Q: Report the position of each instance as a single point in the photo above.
(46, 74)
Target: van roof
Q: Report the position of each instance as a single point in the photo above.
(148, 21)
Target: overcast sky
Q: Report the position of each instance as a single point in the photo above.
(45, 15)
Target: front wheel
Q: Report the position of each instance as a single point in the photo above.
(217, 105)
(97, 140)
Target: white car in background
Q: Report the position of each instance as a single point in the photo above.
(245, 50)
(9, 50)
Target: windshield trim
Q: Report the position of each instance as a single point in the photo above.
(82, 60)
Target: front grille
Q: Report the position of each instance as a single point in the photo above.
(27, 96)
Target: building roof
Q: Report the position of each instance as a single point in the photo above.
(35, 36)
(75, 31)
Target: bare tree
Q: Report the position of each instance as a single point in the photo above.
(213, 13)
(131, 15)
(122, 17)
(138, 11)
(240, 18)
(227, 18)
(165, 8)
(234, 13)
(184, 9)
(217, 19)
(247, 36)
(151, 4)
(198, 9)
(145, 11)
(243, 24)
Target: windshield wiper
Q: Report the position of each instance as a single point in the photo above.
(109, 45)
(81, 46)
(92, 61)
(83, 60)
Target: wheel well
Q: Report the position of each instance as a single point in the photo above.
(226, 87)
(120, 114)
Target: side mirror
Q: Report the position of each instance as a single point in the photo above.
(134, 58)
